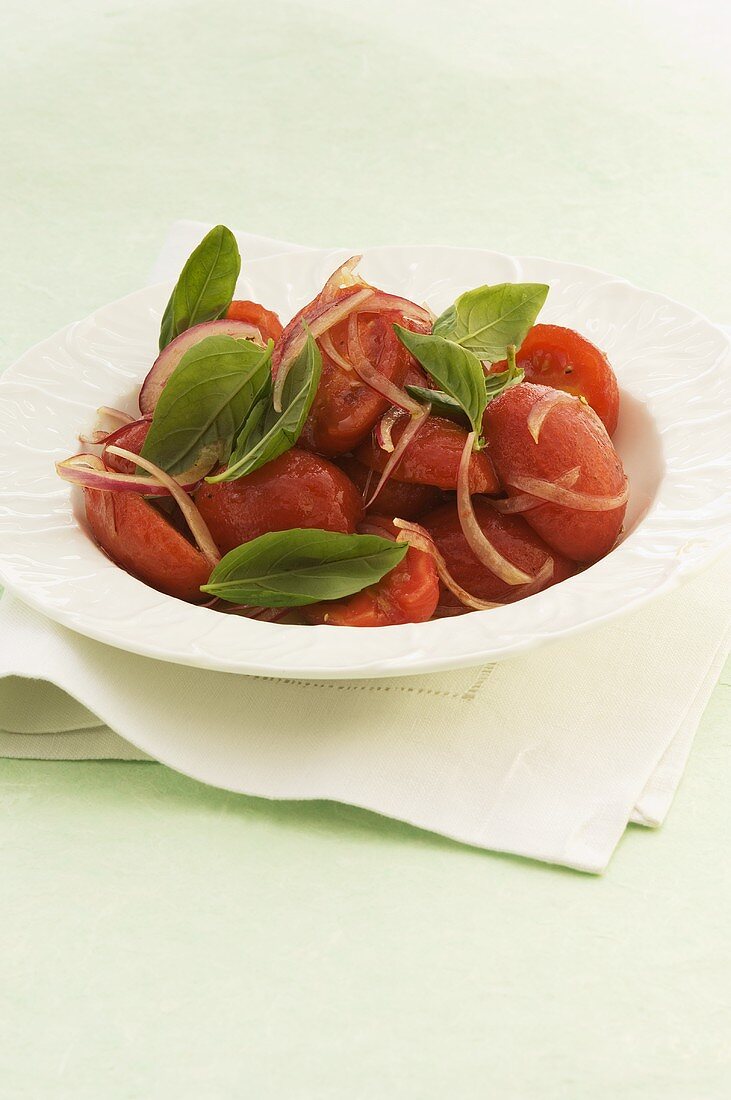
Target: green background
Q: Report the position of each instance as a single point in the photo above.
(162, 939)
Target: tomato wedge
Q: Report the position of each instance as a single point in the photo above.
(265, 320)
(140, 539)
(408, 594)
(563, 359)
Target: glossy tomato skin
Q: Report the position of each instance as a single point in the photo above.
(130, 437)
(139, 539)
(265, 320)
(345, 408)
(408, 594)
(397, 498)
(510, 535)
(433, 457)
(298, 489)
(571, 436)
(563, 359)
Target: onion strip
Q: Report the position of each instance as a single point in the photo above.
(409, 434)
(477, 540)
(543, 407)
(420, 539)
(193, 518)
(372, 377)
(99, 434)
(524, 502)
(90, 471)
(332, 352)
(555, 493)
(332, 315)
(385, 426)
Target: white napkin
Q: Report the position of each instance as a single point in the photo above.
(547, 756)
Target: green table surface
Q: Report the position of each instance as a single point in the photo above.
(162, 939)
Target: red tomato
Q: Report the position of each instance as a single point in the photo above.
(561, 358)
(137, 537)
(433, 457)
(408, 594)
(345, 408)
(267, 322)
(571, 436)
(510, 535)
(298, 489)
(129, 437)
(397, 498)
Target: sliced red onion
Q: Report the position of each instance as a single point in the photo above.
(526, 503)
(90, 471)
(99, 434)
(382, 301)
(420, 539)
(540, 580)
(408, 435)
(385, 426)
(477, 540)
(372, 377)
(555, 493)
(193, 518)
(171, 355)
(343, 276)
(332, 352)
(326, 318)
(543, 407)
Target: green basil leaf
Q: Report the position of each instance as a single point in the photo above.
(441, 403)
(485, 320)
(455, 369)
(206, 400)
(266, 434)
(495, 384)
(206, 285)
(301, 566)
(444, 405)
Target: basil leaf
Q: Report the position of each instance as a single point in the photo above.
(266, 434)
(495, 384)
(206, 400)
(485, 320)
(444, 405)
(457, 370)
(301, 566)
(206, 284)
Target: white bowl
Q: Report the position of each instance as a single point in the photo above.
(674, 436)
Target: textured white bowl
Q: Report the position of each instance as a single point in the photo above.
(674, 436)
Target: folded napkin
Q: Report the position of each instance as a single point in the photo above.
(548, 755)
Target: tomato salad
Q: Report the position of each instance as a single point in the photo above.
(368, 464)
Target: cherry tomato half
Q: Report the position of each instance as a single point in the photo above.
(265, 320)
(397, 498)
(345, 408)
(433, 457)
(408, 594)
(298, 489)
(510, 535)
(563, 359)
(571, 438)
